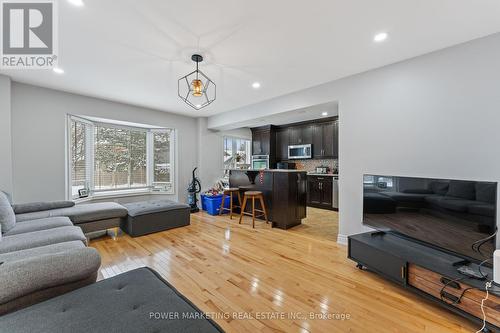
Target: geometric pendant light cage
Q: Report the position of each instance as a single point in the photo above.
(196, 89)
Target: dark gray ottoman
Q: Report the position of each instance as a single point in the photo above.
(146, 217)
(135, 301)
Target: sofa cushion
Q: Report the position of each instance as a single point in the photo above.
(41, 238)
(405, 197)
(484, 209)
(25, 276)
(418, 191)
(37, 251)
(34, 216)
(486, 192)
(434, 199)
(457, 204)
(129, 302)
(462, 189)
(40, 224)
(7, 216)
(39, 206)
(440, 188)
(376, 203)
(81, 213)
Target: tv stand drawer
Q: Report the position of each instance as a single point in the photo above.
(432, 284)
(456, 288)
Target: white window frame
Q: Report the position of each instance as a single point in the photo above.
(89, 152)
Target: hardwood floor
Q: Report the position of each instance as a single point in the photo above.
(319, 224)
(226, 268)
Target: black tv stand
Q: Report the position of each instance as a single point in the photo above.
(427, 271)
(461, 263)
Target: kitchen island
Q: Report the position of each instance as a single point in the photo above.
(285, 193)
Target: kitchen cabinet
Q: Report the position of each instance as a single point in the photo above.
(320, 191)
(282, 142)
(264, 143)
(300, 135)
(325, 140)
(261, 142)
(274, 140)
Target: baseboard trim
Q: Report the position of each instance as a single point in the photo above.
(342, 239)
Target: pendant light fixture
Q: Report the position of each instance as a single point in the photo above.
(196, 89)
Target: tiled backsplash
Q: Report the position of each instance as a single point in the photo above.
(310, 165)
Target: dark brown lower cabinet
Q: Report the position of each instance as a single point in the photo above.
(320, 191)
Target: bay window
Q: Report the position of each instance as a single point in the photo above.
(110, 158)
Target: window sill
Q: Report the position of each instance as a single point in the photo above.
(119, 194)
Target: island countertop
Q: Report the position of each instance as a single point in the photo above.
(285, 193)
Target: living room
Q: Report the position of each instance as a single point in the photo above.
(305, 159)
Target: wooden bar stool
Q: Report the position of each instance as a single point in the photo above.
(229, 192)
(253, 195)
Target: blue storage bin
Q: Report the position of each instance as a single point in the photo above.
(211, 204)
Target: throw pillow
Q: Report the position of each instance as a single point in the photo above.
(486, 192)
(7, 216)
(440, 188)
(462, 189)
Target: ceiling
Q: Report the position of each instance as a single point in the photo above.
(134, 51)
(313, 112)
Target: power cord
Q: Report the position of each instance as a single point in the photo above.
(476, 246)
(487, 285)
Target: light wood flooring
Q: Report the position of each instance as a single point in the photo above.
(232, 269)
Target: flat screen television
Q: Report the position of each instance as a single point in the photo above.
(453, 215)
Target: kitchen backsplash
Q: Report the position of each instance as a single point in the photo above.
(310, 165)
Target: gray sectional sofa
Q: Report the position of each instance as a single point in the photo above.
(43, 247)
(41, 257)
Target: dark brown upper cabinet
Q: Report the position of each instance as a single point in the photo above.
(325, 140)
(282, 142)
(300, 135)
(264, 143)
(261, 141)
(274, 140)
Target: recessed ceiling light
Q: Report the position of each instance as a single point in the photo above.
(58, 70)
(256, 85)
(78, 3)
(324, 114)
(380, 37)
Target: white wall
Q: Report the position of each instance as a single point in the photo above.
(437, 115)
(5, 136)
(210, 151)
(38, 138)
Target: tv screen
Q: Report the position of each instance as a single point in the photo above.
(454, 215)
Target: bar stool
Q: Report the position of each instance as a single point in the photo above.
(229, 192)
(253, 195)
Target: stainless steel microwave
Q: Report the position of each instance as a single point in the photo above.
(299, 152)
